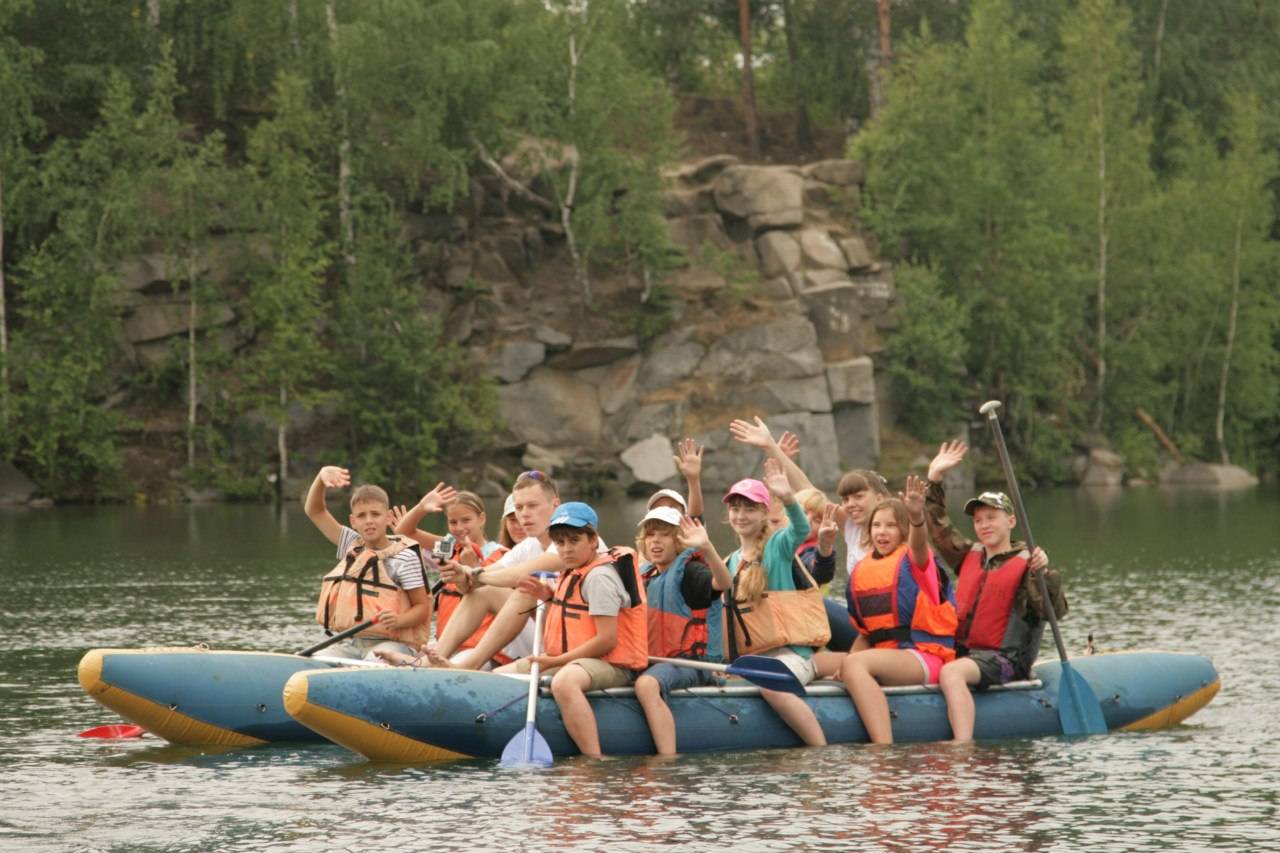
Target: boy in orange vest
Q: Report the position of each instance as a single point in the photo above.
(595, 628)
(992, 647)
(370, 517)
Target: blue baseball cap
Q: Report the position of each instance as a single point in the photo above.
(574, 514)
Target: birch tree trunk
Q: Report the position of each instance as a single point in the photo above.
(1155, 71)
(4, 326)
(1219, 423)
(580, 271)
(282, 445)
(346, 227)
(748, 80)
(192, 387)
(1102, 257)
(295, 40)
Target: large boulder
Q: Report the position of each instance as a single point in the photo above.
(514, 359)
(552, 408)
(852, 381)
(726, 461)
(154, 321)
(651, 460)
(672, 357)
(783, 348)
(819, 250)
(615, 382)
(1104, 468)
(15, 486)
(765, 196)
(856, 253)
(837, 314)
(1206, 474)
(806, 394)
(779, 253)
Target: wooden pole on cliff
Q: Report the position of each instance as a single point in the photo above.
(748, 82)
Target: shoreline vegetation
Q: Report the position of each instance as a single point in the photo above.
(453, 241)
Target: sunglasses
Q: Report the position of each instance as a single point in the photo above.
(533, 475)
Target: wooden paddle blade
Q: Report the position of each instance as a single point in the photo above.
(113, 731)
(527, 748)
(769, 673)
(1078, 708)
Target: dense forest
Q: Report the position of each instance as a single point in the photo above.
(1079, 199)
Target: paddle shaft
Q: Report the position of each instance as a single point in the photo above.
(336, 638)
(693, 664)
(993, 420)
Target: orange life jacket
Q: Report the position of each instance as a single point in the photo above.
(781, 617)
(569, 625)
(360, 588)
(448, 598)
(890, 609)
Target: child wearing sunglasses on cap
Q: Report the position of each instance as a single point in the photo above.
(1001, 612)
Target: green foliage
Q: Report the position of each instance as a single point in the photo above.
(926, 355)
(406, 398)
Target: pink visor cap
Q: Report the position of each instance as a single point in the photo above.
(752, 490)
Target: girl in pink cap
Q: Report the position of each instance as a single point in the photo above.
(762, 562)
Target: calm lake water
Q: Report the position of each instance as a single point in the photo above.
(1186, 570)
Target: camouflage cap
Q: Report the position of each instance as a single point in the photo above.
(995, 500)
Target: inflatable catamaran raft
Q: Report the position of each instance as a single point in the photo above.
(406, 714)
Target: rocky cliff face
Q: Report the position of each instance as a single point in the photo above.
(778, 312)
(789, 333)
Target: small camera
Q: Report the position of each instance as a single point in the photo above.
(443, 549)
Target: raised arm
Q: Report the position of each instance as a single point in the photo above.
(694, 535)
(917, 540)
(756, 433)
(689, 461)
(950, 544)
(329, 477)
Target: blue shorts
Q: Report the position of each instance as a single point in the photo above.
(671, 677)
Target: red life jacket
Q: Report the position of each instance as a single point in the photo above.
(984, 601)
(360, 588)
(448, 597)
(675, 629)
(569, 625)
(888, 606)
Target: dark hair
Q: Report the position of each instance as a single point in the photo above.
(563, 530)
(862, 479)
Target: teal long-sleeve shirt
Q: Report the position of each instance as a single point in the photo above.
(778, 553)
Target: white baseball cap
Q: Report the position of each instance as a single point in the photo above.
(669, 514)
(667, 493)
(510, 506)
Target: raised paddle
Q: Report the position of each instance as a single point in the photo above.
(1078, 708)
(336, 638)
(760, 670)
(527, 747)
(113, 730)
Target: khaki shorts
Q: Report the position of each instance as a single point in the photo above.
(603, 674)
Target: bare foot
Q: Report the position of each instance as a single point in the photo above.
(435, 660)
(396, 658)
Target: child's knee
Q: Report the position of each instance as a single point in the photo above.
(567, 683)
(647, 688)
(852, 666)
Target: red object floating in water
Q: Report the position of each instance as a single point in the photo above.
(115, 730)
